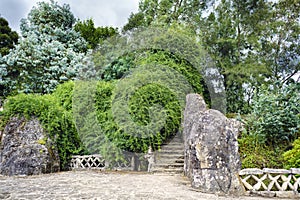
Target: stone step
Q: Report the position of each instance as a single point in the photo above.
(173, 143)
(169, 171)
(168, 162)
(168, 165)
(169, 159)
(169, 151)
(174, 140)
(170, 156)
(177, 148)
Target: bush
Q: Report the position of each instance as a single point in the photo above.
(140, 105)
(256, 155)
(275, 115)
(55, 119)
(292, 157)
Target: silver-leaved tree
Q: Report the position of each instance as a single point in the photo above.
(49, 52)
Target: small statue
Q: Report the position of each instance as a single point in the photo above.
(150, 157)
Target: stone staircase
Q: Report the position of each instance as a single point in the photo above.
(170, 158)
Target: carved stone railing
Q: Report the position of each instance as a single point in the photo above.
(87, 162)
(272, 182)
(96, 161)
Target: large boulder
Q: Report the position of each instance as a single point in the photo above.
(212, 161)
(25, 149)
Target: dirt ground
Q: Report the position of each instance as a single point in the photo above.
(103, 185)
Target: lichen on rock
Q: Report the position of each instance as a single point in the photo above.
(25, 149)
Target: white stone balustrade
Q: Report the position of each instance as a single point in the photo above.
(271, 182)
(87, 162)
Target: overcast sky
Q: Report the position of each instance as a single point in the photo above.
(104, 12)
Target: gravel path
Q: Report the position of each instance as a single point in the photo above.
(103, 185)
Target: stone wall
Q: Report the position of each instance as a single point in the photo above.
(212, 160)
(25, 149)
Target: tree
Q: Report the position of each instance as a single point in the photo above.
(135, 20)
(94, 35)
(167, 12)
(280, 40)
(8, 38)
(230, 34)
(252, 41)
(49, 52)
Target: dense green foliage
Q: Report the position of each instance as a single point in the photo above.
(136, 69)
(256, 155)
(179, 64)
(275, 117)
(271, 128)
(64, 95)
(50, 52)
(89, 120)
(139, 108)
(56, 121)
(122, 66)
(118, 68)
(292, 157)
(8, 37)
(94, 36)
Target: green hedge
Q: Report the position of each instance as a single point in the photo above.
(139, 106)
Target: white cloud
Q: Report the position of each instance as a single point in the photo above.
(104, 13)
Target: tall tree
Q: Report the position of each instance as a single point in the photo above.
(8, 38)
(49, 52)
(280, 40)
(230, 35)
(167, 12)
(252, 41)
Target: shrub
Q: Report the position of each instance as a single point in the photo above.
(139, 109)
(292, 157)
(131, 130)
(256, 155)
(275, 115)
